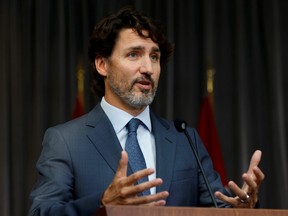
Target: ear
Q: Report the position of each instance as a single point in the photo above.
(101, 65)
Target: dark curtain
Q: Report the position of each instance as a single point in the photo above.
(41, 43)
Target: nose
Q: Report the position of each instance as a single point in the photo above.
(146, 66)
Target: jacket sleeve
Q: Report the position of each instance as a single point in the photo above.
(54, 191)
(212, 176)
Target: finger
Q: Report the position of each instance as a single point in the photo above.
(252, 183)
(234, 201)
(136, 189)
(122, 165)
(157, 203)
(255, 160)
(259, 175)
(128, 186)
(133, 178)
(237, 191)
(149, 184)
(140, 200)
(225, 198)
(251, 187)
(244, 198)
(160, 203)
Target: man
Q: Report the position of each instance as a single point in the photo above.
(84, 163)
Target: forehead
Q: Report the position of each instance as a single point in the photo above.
(130, 38)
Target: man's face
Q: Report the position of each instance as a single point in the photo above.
(132, 71)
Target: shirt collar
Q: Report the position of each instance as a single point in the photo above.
(120, 118)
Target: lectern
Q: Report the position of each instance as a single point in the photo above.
(185, 211)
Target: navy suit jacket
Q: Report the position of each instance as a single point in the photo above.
(79, 160)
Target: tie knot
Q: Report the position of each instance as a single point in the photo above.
(133, 125)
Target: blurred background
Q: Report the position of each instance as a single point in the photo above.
(43, 43)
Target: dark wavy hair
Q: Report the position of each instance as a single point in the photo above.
(105, 34)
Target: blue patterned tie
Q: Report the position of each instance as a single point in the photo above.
(135, 155)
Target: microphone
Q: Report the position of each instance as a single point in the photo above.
(181, 126)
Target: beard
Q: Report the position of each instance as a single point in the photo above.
(129, 94)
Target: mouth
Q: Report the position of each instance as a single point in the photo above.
(144, 84)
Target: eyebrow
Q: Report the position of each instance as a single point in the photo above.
(154, 49)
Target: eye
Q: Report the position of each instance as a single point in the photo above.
(155, 57)
(132, 55)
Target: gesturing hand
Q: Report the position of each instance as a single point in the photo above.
(123, 191)
(247, 196)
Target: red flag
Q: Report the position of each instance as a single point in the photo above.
(79, 106)
(79, 103)
(208, 133)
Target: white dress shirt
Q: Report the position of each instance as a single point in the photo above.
(120, 118)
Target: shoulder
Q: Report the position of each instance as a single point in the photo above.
(78, 125)
(169, 124)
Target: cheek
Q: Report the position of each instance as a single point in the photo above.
(156, 73)
(127, 68)
(129, 73)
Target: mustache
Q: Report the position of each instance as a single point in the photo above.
(144, 79)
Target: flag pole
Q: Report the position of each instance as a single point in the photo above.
(210, 72)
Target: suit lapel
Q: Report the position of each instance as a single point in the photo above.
(101, 133)
(165, 142)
